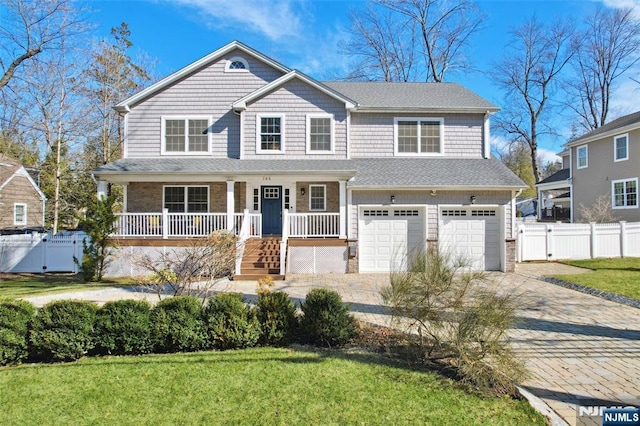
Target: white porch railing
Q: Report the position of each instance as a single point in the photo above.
(139, 225)
(302, 225)
(195, 224)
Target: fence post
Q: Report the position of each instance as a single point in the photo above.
(623, 238)
(520, 243)
(549, 240)
(165, 223)
(593, 239)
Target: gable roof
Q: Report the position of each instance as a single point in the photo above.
(441, 97)
(125, 105)
(558, 176)
(619, 125)
(241, 104)
(11, 168)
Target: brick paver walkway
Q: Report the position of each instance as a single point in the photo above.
(578, 348)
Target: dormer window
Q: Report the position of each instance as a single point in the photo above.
(236, 64)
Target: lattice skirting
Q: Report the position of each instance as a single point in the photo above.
(317, 260)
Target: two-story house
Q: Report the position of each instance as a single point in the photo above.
(602, 163)
(338, 176)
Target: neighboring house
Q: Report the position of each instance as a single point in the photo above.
(345, 176)
(604, 162)
(21, 201)
(554, 193)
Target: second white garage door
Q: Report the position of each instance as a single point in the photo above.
(387, 236)
(473, 234)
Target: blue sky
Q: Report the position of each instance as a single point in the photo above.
(305, 35)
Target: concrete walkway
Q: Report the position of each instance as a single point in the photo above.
(581, 350)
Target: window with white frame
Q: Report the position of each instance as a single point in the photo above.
(419, 136)
(582, 159)
(624, 193)
(186, 199)
(270, 133)
(621, 148)
(19, 214)
(320, 133)
(236, 64)
(317, 197)
(185, 135)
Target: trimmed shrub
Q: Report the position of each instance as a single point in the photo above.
(277, 315)
(230, 323)
(63, 330)
(177, 326)
(123, 328)
(326, 320)
(15, 316)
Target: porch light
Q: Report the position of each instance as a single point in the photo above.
(434, 193)
(472, 199)
(302, 191)
(393, 199)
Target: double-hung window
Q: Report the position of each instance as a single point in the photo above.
(624, 193)
(317, 197)
(270, 134)
(185, 135)
(186, 199)
(19, 214)
(621, 148)
(320, 133)
(419, 136)
(582, 160)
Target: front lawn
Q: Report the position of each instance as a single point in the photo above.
(619, 275)
(253, 386)
(30, 285)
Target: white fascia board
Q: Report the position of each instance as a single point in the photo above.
(116, 177)
(465, 188)
(200, 63)
(554, 185)
(419, 110)
(23, 172)
(603, 135)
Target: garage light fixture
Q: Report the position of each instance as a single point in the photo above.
(301, 191)
(393, 199)
(472, 199)
(434, 193)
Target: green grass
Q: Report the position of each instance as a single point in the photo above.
(619, 276)
(29, 285)
(254, 386)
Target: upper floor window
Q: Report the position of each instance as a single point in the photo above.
(320, 133)
(421, 136)
(624, 193)
(582, 160)
(317, 197)
(621, 148)
(19, 214)
(185, 135)
(270, 134)
(236, 64)
(186, 199)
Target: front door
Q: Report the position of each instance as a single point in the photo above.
(272, 210)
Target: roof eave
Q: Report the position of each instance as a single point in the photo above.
(608, 133)
(354, 185)
(434, 110)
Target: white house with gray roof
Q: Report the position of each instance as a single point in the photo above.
(314, 176)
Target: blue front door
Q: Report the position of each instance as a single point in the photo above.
(271, 210)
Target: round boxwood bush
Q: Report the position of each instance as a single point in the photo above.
(123, 328)
(277, 315)
(326, 320)
(63, 330)
(177, 326)
(15, 316)
(230, 323)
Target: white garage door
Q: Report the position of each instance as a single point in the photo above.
(387, 236)
(473, 234)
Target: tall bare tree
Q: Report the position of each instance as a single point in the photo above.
(529, 73)
(28, 28)
(423, 39)
(608, 48)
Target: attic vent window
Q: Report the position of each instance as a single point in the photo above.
(237, 64)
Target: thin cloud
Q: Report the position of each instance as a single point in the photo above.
(624, 4)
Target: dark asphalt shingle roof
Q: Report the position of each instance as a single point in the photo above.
(615, 124)
(556, 177)
(411, 95)
(366, 172)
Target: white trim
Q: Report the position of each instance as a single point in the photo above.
(186, 195)
(604, 135)
(125, 143)
(324, 189)
(586, 156)
(22, 172)
(487, 135)
(613, 194)
(418, 120)
(186, 118)
(24, 213)
(615, 146)
(348, 139)
(236, 59)
(242, 121)
(332, 129)
(259, 149)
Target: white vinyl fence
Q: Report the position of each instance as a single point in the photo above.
(557, 241)
(37, 253)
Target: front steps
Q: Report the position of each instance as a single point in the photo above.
(261, 258)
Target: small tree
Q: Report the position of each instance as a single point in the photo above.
(99, 224)
(598, 212)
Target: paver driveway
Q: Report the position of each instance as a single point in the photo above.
(579, 348)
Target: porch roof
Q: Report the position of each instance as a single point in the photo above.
(365, 173)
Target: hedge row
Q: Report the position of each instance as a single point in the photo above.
(66, 330)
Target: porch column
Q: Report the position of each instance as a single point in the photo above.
(102, 189)
(343, 209)
(230, 205)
